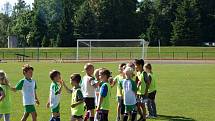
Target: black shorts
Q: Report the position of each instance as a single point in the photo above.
(152, 95)
(90, 103)
(77, 117)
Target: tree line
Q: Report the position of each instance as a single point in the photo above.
(58, 23)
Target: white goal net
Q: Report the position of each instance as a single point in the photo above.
(112, 49)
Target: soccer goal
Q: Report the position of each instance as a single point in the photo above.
(111, 49)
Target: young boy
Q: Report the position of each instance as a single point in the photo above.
(28, 87)
(55, 94)
(88, 89)
(5, 101)
(118, 79)
(77, 106)
(104, 96)
(129, 88)
(143, 83)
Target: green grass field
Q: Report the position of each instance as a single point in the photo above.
(185, 92)
(112, 52)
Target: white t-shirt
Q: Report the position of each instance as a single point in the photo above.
(86, 87)
(54, 96)
(28, 90)
(129, 88)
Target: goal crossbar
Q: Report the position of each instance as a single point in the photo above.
(108, 40)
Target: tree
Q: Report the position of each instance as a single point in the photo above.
(4, 22)
(85, 22)
(186, 27)
(66, 25)
(45, 42)
(7, 8)
(207, 20)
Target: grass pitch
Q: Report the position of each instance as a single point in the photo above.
(185, 92)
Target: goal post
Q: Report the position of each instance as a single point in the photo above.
(110, 44)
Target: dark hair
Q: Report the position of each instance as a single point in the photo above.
(76, 77)
(148, 66)
(139, 62)
(106, 72)
(122, 64)
(27, 67)
(53, 74)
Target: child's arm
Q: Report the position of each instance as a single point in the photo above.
(19, 86)
(103, 93)
(36, 98)
(2, 95)
(114, 82)
(147, 81)
(67, 89)
(48, 103)
(100, 102)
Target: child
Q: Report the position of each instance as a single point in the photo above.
(55, 94)
(28, 87)
(129, 88)
(152, 92)
(77, 106)
(118, 79)
(142, 88)
(5, 101)
(104, 95)
(88, 89)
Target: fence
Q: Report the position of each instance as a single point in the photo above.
(20, 56)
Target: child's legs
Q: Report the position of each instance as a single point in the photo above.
(76, 118)
(25, 116)
(152, 103)
(149, 107)
(55, 116)
(144, 110)
(139, 109)
(103, 115)
(34, 116)
(90, 104)
(6, 117)
(1, 116)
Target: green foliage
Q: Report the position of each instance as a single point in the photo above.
(61, 22)
(186, 27)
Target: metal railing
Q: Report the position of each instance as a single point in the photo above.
(106, 55)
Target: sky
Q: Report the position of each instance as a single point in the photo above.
(12, 2)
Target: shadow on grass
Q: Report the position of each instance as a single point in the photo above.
(174, 118)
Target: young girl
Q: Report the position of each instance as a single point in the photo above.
(55, 94)
(129, 88)
(142, 88)
(5, 101)
(152, 92)
(77, 106)
(104, 95)
(118, 79)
